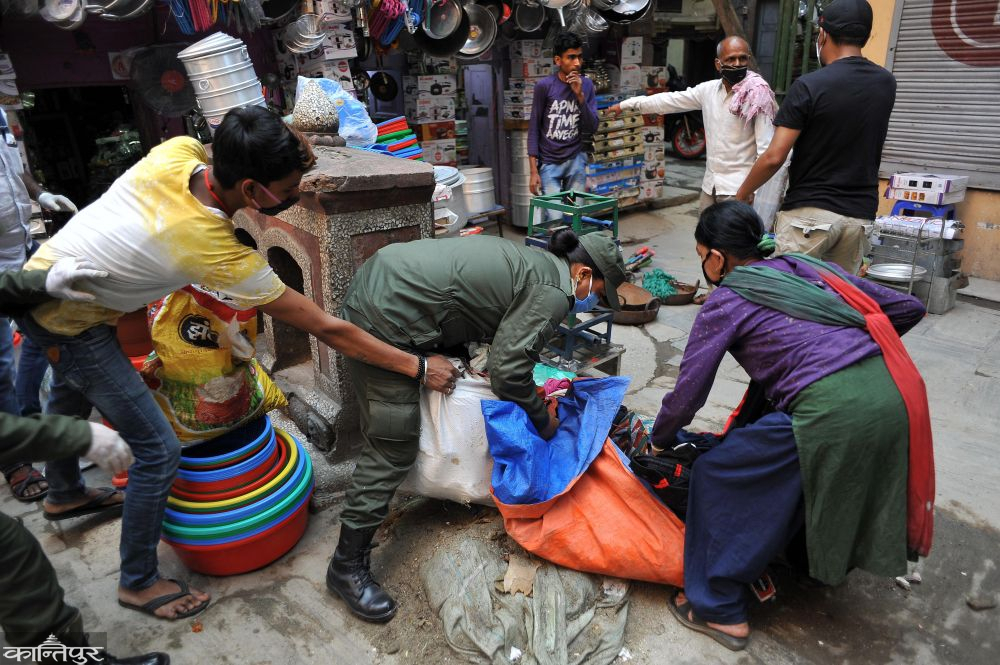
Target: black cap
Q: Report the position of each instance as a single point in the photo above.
(847, 17)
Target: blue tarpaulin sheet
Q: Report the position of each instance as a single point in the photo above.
(528, 469)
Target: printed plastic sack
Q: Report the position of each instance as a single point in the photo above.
(573, 499)
(355, 126)
(202, 372)
(770, 196)
(454, 461)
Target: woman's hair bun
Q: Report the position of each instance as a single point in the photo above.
(563, 242)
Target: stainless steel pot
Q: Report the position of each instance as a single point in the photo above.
(482, 30)
(442, 20)
(529, 18)
(449, 45)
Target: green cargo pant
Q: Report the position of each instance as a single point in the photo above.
(31, 600)
(390, 423)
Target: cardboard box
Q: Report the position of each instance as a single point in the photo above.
(437, 84)
(427, 110)
(930, 182)
(631, 52)
(332, 13)
(650, 190)
(654, 154)
(339, 43)
(516, 112)
(335, 70)
(656, 77)
(436, 131)
(654, 169)
(652, 120)
(530, 68)
(652, 135)
(924, 196)
(526, 48)
(440, 152)
(631, 77)
(517, 97)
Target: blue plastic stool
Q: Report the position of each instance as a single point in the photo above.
(911, 208)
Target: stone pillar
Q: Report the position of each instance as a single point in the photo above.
(353, 203)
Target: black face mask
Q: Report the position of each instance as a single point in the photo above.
(713, 282)
(733, 75)
(281, 207)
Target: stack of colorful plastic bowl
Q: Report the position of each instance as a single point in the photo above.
(240, 501)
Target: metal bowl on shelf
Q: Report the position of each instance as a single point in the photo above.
(899, 273)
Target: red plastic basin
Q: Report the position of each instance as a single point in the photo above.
(246, 555)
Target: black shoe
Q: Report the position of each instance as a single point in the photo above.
(350, 577)
(72, 636)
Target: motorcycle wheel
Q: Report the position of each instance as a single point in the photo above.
(689, 145)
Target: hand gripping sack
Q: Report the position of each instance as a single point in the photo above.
(202, 372)
(454, 460)
(573, 499)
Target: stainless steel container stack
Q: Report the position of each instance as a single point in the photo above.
(222, 75)
(520, 191)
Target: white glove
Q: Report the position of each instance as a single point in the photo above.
(107, 449)
(65, 271)
(56, 202)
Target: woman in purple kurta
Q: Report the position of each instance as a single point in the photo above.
(828, 457)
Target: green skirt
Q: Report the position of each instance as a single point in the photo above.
(852, 434)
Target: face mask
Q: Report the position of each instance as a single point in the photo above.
(713, 282)
(733, 75)
(280, 206)
(588, 303)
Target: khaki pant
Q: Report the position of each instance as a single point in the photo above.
(710, 199)
(823, 234)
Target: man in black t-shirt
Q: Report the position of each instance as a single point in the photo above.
(836, 118)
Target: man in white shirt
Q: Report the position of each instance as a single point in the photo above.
(737, 109)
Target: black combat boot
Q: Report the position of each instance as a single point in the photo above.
(72, 636)
(350, 576)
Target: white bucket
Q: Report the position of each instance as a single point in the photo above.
(478, 189)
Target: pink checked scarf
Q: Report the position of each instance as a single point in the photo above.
(752, 96)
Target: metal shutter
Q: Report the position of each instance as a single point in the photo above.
(945, 55)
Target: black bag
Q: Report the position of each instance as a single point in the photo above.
(669, 473)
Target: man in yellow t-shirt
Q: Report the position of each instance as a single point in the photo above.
(161, 226)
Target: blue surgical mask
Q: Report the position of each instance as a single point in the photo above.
(588, 303)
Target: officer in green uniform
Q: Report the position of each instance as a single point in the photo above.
(31, 600)
(430, 295)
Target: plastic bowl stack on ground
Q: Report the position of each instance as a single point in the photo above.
(240, 501)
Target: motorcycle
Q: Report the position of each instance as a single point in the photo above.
(685, 131)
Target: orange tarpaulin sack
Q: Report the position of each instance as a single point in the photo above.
(574, 500)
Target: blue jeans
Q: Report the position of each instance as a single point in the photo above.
(564, 176)
(31, 368)
(90, 369)
(8, 397)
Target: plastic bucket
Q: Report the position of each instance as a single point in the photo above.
(477, 191)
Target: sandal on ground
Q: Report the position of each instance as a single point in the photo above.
(20, 488)
(682, 612)
(98, 504)
(158, 602)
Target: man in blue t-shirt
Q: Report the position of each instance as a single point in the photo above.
(564, 108)
(837, 119)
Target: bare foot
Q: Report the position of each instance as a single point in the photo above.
(734, 629)
(89, 494)
(32, 489)
(163, 588)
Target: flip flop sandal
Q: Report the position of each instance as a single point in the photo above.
(158, 602)
(19, 488)
(681, 612)
(95, 505)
